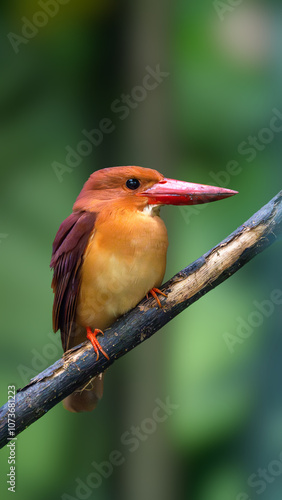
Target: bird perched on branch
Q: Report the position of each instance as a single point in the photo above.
(110, 253)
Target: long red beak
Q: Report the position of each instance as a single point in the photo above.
(172, 192)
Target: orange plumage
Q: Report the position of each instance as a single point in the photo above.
(110, 252)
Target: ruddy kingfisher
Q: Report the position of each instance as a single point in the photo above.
(110, 253)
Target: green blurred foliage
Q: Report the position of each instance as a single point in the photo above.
(224, 82)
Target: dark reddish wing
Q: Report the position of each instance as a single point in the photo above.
(67, 258)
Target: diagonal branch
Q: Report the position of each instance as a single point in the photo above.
(79, 364)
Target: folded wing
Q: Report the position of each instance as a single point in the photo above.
(67, 257)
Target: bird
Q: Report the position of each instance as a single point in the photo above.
(110, 253)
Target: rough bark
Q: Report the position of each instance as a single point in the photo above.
(79, 364)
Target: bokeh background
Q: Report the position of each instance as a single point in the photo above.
(223, 80)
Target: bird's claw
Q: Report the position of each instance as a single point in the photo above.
(154, 292)
(92, 336)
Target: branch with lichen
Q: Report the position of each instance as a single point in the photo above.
(79, 364)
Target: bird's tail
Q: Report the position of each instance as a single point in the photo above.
(86, 398)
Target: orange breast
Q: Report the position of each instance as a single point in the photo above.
(125, 258)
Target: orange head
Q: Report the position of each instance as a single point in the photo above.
(138, 188)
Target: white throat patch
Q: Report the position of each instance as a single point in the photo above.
(152, 210)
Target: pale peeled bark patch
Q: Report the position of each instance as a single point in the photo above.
(216, 263)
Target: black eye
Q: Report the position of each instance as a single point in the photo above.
(132, 184)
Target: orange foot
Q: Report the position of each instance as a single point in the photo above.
(92, 337)
(154, 292)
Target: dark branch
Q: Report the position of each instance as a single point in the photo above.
(79, 364)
